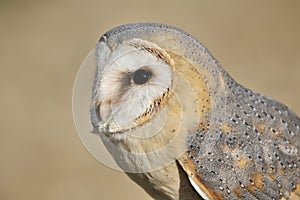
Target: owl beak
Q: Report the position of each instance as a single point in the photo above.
(104, 112)
(100, 118)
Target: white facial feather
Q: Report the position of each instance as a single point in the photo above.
(121, 105)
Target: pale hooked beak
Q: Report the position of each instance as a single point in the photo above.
(101, 117)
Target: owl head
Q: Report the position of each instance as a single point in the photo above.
(153, 85)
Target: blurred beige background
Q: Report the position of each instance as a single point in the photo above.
(42, 44)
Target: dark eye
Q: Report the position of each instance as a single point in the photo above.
(141, 76)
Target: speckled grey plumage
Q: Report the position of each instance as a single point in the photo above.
(273, 151)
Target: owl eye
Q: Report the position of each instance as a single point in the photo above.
(141, 76)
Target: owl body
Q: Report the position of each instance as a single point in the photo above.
(252, 151)
(182, 128)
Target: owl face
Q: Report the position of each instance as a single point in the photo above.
(134, 80)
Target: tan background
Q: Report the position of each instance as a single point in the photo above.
(42, 44)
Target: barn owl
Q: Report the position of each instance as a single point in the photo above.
(179, 125)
